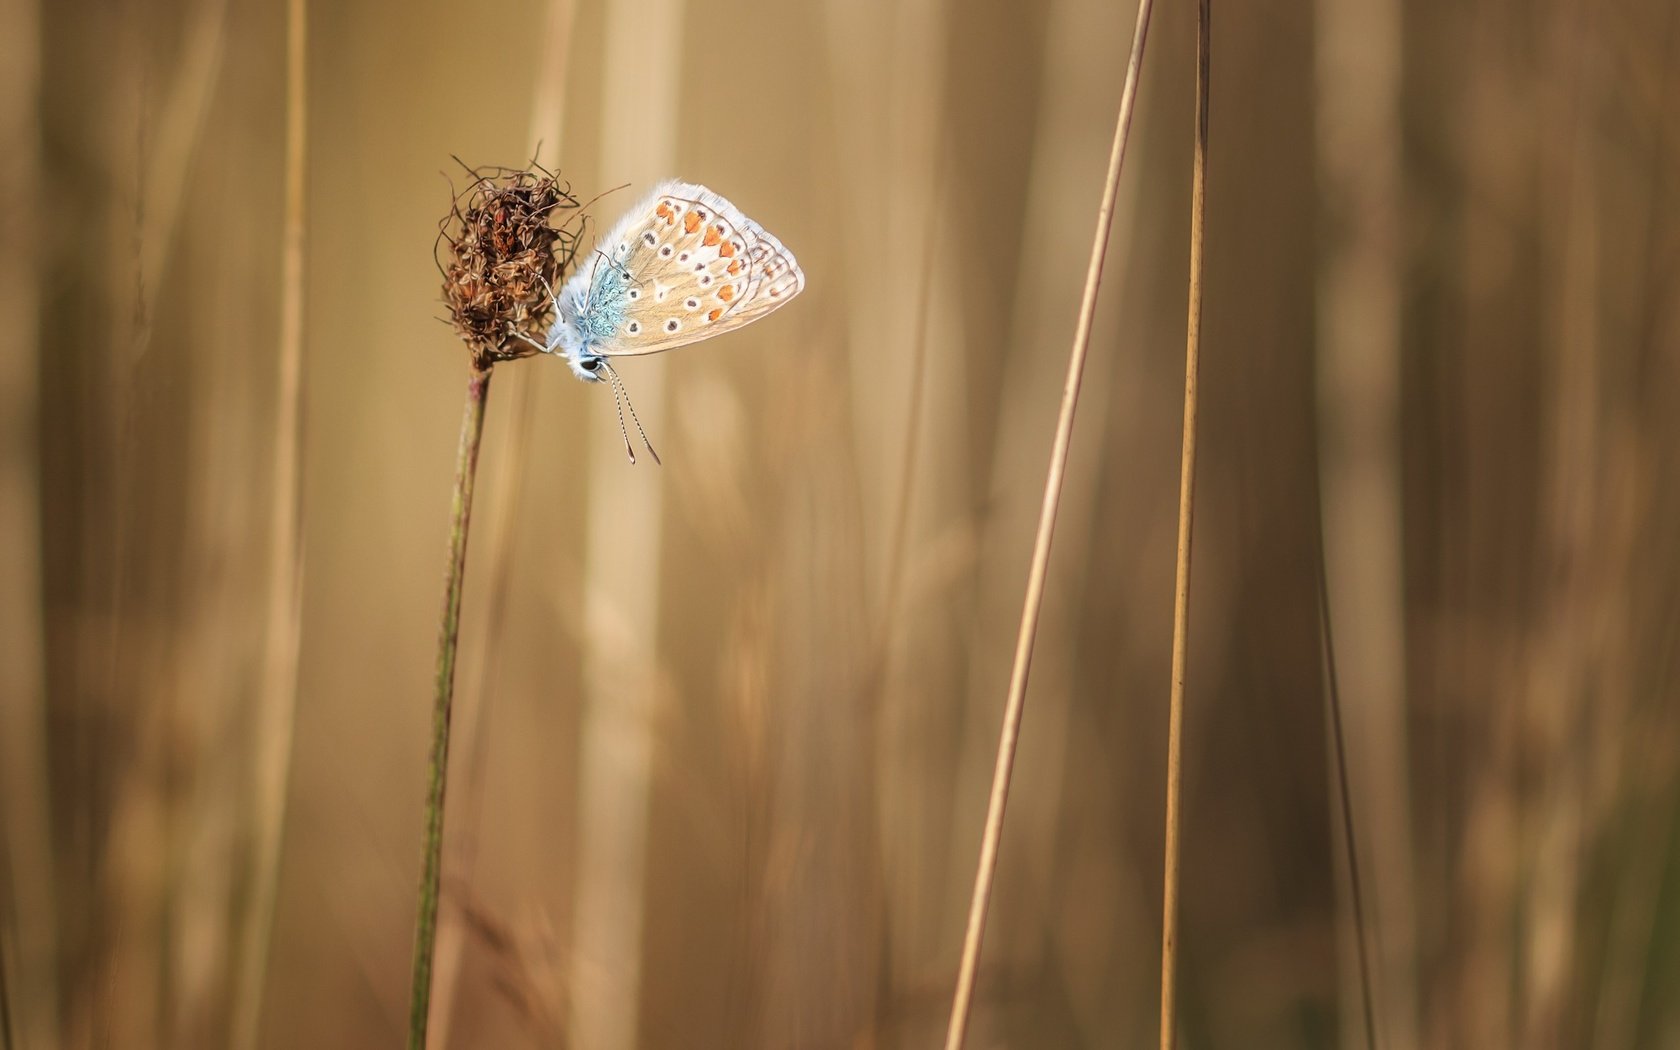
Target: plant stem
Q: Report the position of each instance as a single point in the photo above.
(1339, 742)
(277, 704)
(425, 923)
(1009, 733)
(1186, 516)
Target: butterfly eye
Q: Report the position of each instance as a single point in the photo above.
(593, 364)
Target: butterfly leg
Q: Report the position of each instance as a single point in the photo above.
(516, 332)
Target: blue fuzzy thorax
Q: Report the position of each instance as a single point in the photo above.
(585, 316)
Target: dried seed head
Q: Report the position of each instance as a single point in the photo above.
(505, 242)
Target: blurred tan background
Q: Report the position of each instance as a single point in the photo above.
(724, 728)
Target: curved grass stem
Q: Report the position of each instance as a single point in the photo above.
(1186, 518)
(425, 923)
(1007, 736)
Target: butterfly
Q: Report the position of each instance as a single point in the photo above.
(682, 265)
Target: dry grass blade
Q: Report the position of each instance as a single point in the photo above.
(898, 545)
(1186, 517)
(155, 147)
(1338, 744)
(962, 1001)
(1358, 306)
(277, 706)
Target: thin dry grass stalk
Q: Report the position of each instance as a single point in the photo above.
(277, 705)
(154, 138)
(642, 47)
(1357, 128)
(898, 544)
(1186, 518)
(962, 1001)
(29, 936)
(1338, 743)
(1362, 622)
(425, 926)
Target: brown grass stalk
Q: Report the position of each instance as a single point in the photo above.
(898, 543)
(154, 135)
(641, 110)
(962, 1000)
(1344, 794)
(1186, 517)
(449, 630)
(1357, 129)
(277, 704)
(29, 935)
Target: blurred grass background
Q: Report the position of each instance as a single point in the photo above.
(745, 706)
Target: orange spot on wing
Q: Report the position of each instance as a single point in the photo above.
(715, 314)
(727, 251)
(735, 267)
(664, 210)
(727, 292)
(711, 236)
(691, 222)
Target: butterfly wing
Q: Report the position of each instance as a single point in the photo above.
(696, 268)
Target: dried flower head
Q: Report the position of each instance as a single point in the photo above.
(505, 250)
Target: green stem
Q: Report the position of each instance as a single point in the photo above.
(425, 923)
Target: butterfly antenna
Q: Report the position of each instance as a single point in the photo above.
(594, 268)
(612, 264)
(603, 193)
(618, 403)
(618, 386)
